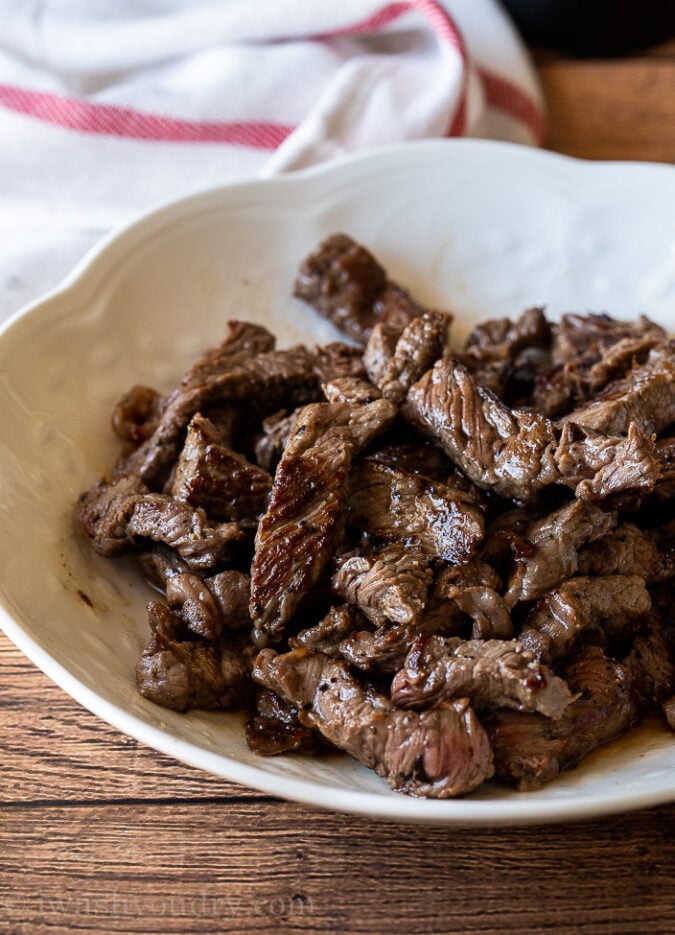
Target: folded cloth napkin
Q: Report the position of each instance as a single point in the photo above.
(110, 107)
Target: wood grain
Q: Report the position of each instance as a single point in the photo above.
(99, 834)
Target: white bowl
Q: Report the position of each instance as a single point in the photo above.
(481, 228)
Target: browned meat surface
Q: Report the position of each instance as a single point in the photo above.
(508, 451)
(135, 415)
(274, 727)
(487, 610)
(516, 453)
(474, 586)
(629, 550)
(587, 352)
(556, 540)
(422, 458)
(612, 604)
(389, 585)
(190, 599)
(651, 661)
(493, 350)
(352, 390)
(644, 397)
(263, 381)
(160, 563)
(382, 651)
(492, 674)
(104, 511)
(665, 453)
(203, 545)
(337, 361)
(231, 591)
(276, 432)
(436, 753)
(222, 482)
(185, 674)
(531, 749)
(601, 467)
(418, 347)
(327, 635)
(439, 520)
(304, 522)
(343, 282)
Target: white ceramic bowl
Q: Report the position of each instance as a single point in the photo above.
(481, 228)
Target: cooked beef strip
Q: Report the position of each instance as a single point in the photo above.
(265, 382)
(182, 675)
(379, 350)
(437, 753)
(665, 453)
(668, 709)
(276, 431)
(419, 346)
(243, 338)
(492, 674)
(606, 468)
(203, 545)
(588, 351)
(135, 415)
(488, 611)
(231, 591)
(493, 347)
(160, 563)
(630, 551)
(304, 521)
(423, 458)
(612, 604)
(326, 636)
(221, 481)
(344, 283)
(275, 728)
(556, 539)
(104, 511)
(508, 451)
(395, 505)
(389, 585)
(516, 453)
(644, 397)
(338, 361)
(189, 598)
(352, 390)
(383, 651)
(445, 614)
(651, 661)
(531, 749)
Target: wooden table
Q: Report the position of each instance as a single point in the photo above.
(100, 834)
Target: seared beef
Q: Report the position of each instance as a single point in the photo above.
(645, 397)
(222, 482)
(352, 390)
(275, 728)
(531, 749)
(600, 467)
(242, 340)
(263, 381)
(630, 551)
(304, 522)
(422, 458)
(231, 591)
(507, 451)
(651, 661)
(135, 415)
(556, 539)
(489, 613)
(516, 453)
(185, 674)
(160, 563)
(436, 753)
(276, 432)
(587, 352)
(380, 652)
(492, 674)
(203, 545)
(394, 505)
(580, 606)
(104, 511)
(418, 347)
(389, 585)
(468, 592)
(189, 598)
(346, 284)
(337, 361)
(326, 636)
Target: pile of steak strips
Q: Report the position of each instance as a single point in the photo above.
(452, 564)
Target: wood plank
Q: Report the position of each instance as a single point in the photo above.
(611, 110)
(263, 867)
(53, 748)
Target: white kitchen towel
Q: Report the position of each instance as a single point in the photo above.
(111, 107)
